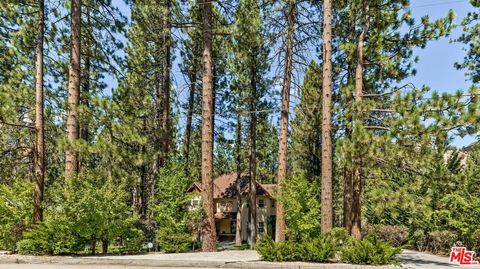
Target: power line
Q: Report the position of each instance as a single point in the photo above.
(439, 4)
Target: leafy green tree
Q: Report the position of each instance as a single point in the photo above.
(301, 196)
(15, 212)
(177, 224)
(88, 209)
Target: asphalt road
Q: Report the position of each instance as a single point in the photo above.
(409, 259)
(413, 260)
(58, 266)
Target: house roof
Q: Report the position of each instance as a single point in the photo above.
(225, 186)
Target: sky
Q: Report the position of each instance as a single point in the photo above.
(436, 62)
(435, 67)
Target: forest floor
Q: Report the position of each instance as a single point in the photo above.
(225, 259)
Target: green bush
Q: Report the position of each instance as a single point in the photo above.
(370, 250)
(88, 210)
(396, 235)
(52, 236)
(15, 212)
(441, 241)
(338, 236)
(172, 241)
(320, 249)
(131, 242)
(419, 240)
(280, 252)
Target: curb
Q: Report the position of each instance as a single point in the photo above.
(179, 263)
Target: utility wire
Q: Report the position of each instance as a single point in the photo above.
(438, 4)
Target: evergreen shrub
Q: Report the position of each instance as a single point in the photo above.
(370, 250)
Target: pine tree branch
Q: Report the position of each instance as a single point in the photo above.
(390, 92)
(16, 124)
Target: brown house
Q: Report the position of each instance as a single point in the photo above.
(225, 190)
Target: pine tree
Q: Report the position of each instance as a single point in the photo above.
(166, 63)
(71, 159)
(137, 103)
(327, 196)
(250, 64)
(191, 66)
(470, 36)
(208, 229)
(307, 138)
(17, 51)
(373, 86)
(282, 150)
(39, 125)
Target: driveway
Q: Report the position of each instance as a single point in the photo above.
(413, 259)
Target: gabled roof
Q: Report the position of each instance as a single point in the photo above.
(196, 186)
(225, 186)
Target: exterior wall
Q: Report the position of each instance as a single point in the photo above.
(229, 205)
(225, 205)
(263, 215)
(195, 199)
(245, 213)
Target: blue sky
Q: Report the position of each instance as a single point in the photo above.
(435, 67)
(436, 62)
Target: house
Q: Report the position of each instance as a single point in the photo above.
(225, 206)
(461, 154)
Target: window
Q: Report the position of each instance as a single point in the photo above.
(233, 226)
(261, 203)
(195, 202)
(273, 203)
(261, 227)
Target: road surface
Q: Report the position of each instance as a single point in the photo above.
(224, 259)
(413, 260)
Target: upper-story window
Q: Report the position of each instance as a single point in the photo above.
(273, 203)
(261, 203)
(261, 227)
(195, 202)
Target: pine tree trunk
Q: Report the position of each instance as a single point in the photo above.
(71, 158)
(104, 246)
(209, 237)
(110, 154)
(143, 184)
(253, 158)
(357, 172)
(347, 199)
(94, 246)
(85, 96)
(348, 172)
(39, 126)
(214, 94)
(238, 149)
(188, 126)
(282, 150)
(327, 198)
(166, 84)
